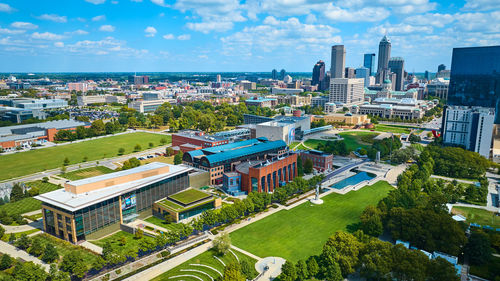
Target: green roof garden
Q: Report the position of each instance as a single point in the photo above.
(189, 196)
(178, 208)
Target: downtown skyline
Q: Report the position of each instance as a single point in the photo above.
(218, 35)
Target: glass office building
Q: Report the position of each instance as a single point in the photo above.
(475, 78)
(369, 61)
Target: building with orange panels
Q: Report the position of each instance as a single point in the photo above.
(267, 175)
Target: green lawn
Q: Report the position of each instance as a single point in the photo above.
(397, 129)
(478, 216)
(353, 140)
(162, 223)
(6, 236)
(64, 248)
(29, 162)
(87, 173)
(131, 244)
(29, 204)
(206, 258)
(302, 231)
(189, 195)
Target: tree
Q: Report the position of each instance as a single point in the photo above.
(151, 144)
(312, 266)
(308, 166)
(99, 127)
(169, 151)
(222, 243)
(478, 248)
(2, 231)
(288, 272)
(302, 272)
(12, 238)
(371, 222)
(23, 242)
(81, 132)
(178, 158)
(300, 166)
(121, 150)
(441, 270)
(347, 248)
(163, 141)
(246, 269)
(376, 260)
(66, 161)
(232, 272)
(74, 264)
(16, 193)
(58, 275)
(139, 233)
(137, 147)
(29, 271)
(5, 262)
(36, 248)
(50, 254)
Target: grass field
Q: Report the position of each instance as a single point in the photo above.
(87, 173)
(206, 258)
(29, 162)
(131, 244)
(393, 128)
(189, 196)
(29, 204)
(302, 231)
(6, 236)
(478, 216)
(162, 159)
(353, 140)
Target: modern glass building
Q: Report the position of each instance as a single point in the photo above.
(369, 62)
(475, 78)
(86, 206)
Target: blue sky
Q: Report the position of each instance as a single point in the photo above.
(232, 35)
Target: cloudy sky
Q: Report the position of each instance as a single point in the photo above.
(232, 35)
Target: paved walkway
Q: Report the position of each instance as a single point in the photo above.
(22, 228)
(246, 253)
(6, 248)
(92, 247)
(452, 179)
(487, 208)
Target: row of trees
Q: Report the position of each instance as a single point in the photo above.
(456, 162)
(98, 128)
(385, 146)
(344, 254)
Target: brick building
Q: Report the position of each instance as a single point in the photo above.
(196, 138)
(321, 161)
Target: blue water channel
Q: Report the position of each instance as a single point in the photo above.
(353, 180)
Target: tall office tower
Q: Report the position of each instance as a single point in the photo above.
(397, 66)
(471, 127)
(318, 74)
(350, 72)
(274, 74)
(363, 72)
(475, 78)
(384, 53)
(219, 78)
(427, 75)
(347, 91)
(369, 61)
(325, 84)
(282, 74)
(338, 61)
(441, 67)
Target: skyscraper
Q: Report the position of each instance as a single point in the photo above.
(274, 74)
(397, 65)
(282, 74)
(475, 78)
(384, 53)
(441, 67)
(427, 75)
(363, 72)
(338, 61)
(318, 74)
(347, 91)
(369, 61)
(350, 72)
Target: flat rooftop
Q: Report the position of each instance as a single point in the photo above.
(189, 196)
(73, 202)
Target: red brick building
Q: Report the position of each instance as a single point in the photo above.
(321, 161)
(267, 175)
(196, 139)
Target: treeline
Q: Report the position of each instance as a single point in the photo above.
(385, 146)
(456, 162)
(97, 128)
(344, 254)
(334, 147)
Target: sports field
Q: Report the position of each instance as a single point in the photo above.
(353, 140)
(87, 173)
(29, 162)
(302, 231)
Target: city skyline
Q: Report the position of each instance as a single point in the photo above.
(232, 36)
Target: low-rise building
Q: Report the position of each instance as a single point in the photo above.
(343, 118)
(147, 106)
(319, 101)
(87, 100)
(389, 111)
(321, 161)
(286, 91)
(262, 102)
(231, 183)
(196, 138)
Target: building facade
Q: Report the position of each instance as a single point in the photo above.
(397, 66)
(369, 62)
(321, 161)
(470, 127)
(347, 91)
(363, 72)
(384, 54)
(198, 138)
(338, 62)
(318, 74)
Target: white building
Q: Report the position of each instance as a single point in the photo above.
(146, 106)
(79, 87)
(470, 127)
(86, 100)
(438, 88)
(347, 91)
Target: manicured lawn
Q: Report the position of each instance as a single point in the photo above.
(206, 258)
(293, 145)
(87, 173)
(25, 163)
(353, 140)
(162, 223)
(29, 204)
(302, 231)
(478, 216)
(301, 147)
(64, 248)
(189, 195)
(6, 236)
(393, 128)
(131, 244)
(162, 159)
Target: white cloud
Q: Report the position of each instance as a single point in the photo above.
(59, 44)
(400, 29)
(105, 46)
(96, 2)
(114, 2)
(168, 36)
(207, 27)
(150, 31)
(478, 22)
(203, 56)
(481, 5)
(53, 17)
(11, 31)
(99, 18)
(107, 28)
(437, 20)
(184, 37)
(46, 36)
(77, 32)
(6, 8)
(159, 3)
(136, 1)
(368, 14)
(24, 25)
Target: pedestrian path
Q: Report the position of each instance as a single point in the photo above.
(12, 251)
